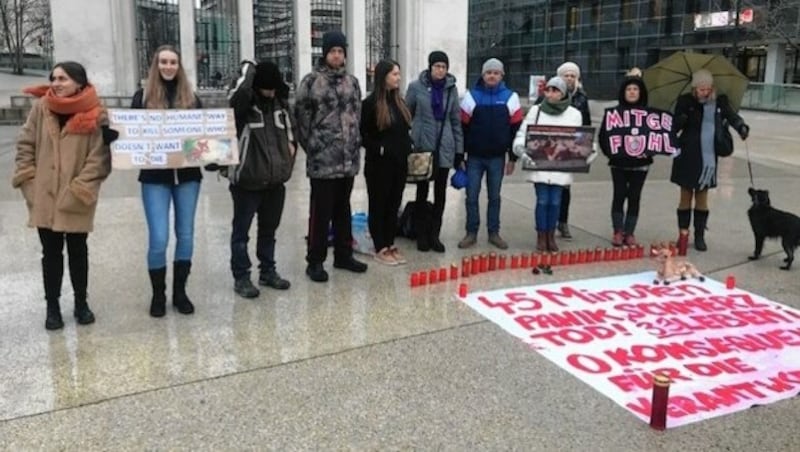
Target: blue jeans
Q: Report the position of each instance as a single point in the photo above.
(156, 199)
(548, 206)
(493, 167)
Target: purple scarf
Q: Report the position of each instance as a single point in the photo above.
(437, 98)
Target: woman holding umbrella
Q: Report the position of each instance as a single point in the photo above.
(700, 120)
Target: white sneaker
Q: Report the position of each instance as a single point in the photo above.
(385, 257)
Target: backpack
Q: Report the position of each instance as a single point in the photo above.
(414, 217)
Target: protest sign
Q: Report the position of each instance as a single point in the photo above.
(639, 131)
(724, 350)
(173, 138)
(558, 148)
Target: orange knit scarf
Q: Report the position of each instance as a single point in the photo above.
(84, 106)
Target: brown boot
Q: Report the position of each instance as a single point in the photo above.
(541, 241)
(551, 241)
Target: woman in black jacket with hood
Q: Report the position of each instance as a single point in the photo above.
(628, 173)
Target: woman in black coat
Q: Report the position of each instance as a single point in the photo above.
(385, 122)
(701, 118)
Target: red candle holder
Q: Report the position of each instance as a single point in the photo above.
(433, 277)
(484, 263)
(573, 257)
(514, 262)
(524, 261)
(564, 260)
(608, 254)
(476, 264)
(730, 282)
(553, 258)
(640, 251)
(414, 279)
(492, 261)
(658, 413)
(465, 267)
(501, 262)
(626, 253)
(582, 256)
(453, 271)
(544, 259)
(423, 278)
(442, 274)
(598, 254)
(462, 290)
(534, 259)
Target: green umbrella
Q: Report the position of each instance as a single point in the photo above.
(672, 76)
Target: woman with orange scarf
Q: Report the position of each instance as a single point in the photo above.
(62, 158)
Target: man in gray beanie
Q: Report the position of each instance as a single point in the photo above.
(328, 113)
(491, 115)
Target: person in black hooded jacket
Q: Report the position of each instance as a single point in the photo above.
(628, 173)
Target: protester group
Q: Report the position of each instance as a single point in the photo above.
(63, 157)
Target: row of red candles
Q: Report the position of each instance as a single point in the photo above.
(483, 263)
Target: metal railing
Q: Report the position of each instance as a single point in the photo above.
(783, 98)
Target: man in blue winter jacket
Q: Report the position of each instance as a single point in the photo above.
(490, 115)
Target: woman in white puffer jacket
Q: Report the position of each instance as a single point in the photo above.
(548, 185)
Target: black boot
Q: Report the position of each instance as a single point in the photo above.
(700, 220)
(179, 298)
(158, 304)
(54, 320)
(422, 227)
(82, 313)
(436, 228)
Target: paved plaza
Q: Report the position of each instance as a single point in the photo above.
(362, 362)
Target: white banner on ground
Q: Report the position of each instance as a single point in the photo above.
(725, 350)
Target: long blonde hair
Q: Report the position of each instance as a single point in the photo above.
(155, 93)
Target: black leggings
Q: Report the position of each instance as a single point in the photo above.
(563, 210)
(628, 185)
(53, 262)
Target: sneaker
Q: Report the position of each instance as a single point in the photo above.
(398, 256)
(386, 257)
(350, 264)
(618, 239)
(274, 280)
(316, 272)
(468, 241)
(498, 241)
(245, 288)
(563, 229)
(630, 240)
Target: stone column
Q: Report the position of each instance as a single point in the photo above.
(302, 39)
(247, 32)
(188, 47)
(776, 63)
(104, 43)
(355, 23)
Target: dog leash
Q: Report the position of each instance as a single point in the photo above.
(749, 165)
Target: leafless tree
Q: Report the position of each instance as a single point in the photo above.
(24, 22)
(777, 19)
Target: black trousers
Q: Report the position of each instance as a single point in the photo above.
(268, 205)
(330, 203)
(628, 186)
(386, 180)
(439, 193)
(53, 262)
(563, 213)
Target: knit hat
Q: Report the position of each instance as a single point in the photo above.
(268, 76)
(569, 66)
(437, 56)
(702, 77)
(558, 83)
(333, 39)
(492, 64)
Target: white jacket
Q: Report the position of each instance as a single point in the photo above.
(570, 117)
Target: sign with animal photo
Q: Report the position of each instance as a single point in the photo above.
(724, 350)
(558, 148)
(639, 131)
(151, 139)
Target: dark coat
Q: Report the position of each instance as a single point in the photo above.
(623, 160)
(687, 167)
(392, 143)
(425, 128)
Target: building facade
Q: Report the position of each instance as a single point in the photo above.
(214, 36)
(607, 37)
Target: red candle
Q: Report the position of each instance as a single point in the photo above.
(484, 263)
(492, 261)
(658, 413)
(640, 251)
(589, 255)
(524, 261)
(476, 264)
(626, 253)
(617, 254)
(544, 259)
(414, 279)
(501, 262)
(423, 278)
(433, 277)
(462, 290)
(730, 282)
(465, 265)
(553, 258)
(534, 259)
(607, 254)
(573, 257)
(454, 271)
(598, 254)
(582, 255)
(564, 258)
(442, 274)
(514, 261)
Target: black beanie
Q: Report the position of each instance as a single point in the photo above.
(268, 76)
(437, 56)
(333, 39)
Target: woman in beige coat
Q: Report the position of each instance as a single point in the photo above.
(62, 158)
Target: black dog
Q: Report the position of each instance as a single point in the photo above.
(768, 222)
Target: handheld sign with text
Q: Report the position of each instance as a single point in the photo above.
(724, 350)
(558, 148)
(158, 139)
(639, 131)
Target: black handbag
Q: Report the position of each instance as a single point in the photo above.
(723, 140)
